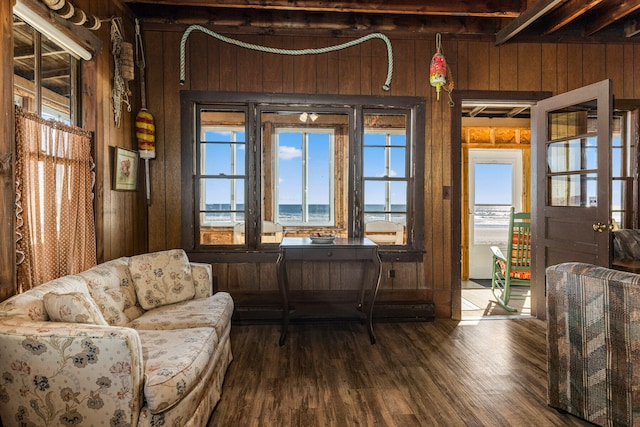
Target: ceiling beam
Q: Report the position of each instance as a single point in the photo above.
(610, 14)
(566, 13)
(526, 18)
(272, 22)
(495, 8)
(631, 28)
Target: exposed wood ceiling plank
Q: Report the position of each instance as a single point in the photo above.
(272, 21)
(526, 18)
(495, 8)
(477, 110)
(517, 111)
(566, 13)
(631, 28)
(610, 14)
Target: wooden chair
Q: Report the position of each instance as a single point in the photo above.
(384, 232)
(515, 267)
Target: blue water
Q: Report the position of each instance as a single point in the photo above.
(290, 214)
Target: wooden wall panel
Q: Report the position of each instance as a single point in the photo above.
(118, 214)
(548, 67)
(574, 67)
(362, 70)
(628, 71)
(7, 159)
(596, 56)
(154, 42)
(508, 67)
(614, 65)
(305, 69)
(404, 59)
(462, 63)
(367, 63)
(479, 65)
(198, 63)
(288, 70)
(172, 146)
(249, 71)
(529, 66)
(272, 70)
(494, 68)
(562, 68)
(636, 67)
(348, 70)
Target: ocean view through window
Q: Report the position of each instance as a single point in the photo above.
(265, 169)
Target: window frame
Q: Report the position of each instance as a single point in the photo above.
(356, 106)
(39, 92)
(387, 179)
(305, 173)
(233, 175)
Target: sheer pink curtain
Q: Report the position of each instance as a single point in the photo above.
(55, 227)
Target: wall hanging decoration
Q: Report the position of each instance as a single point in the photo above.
(125, 169)
(439, 74)
(222, 38)
(123, 69)
(76, 16)
(145, 127)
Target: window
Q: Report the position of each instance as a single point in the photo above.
(621, 174)
(220, 174)
(304, 167)
(44, 75)
(385, 166)
(266, 169)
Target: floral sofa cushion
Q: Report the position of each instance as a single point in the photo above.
(73, 307)
(30, 305)
(162, 278)
(111, 287)
(174, 361)
(201, 279)
(215, 311)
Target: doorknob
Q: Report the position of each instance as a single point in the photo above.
(600, 227)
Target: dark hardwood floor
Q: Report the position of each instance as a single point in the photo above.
(442, 373)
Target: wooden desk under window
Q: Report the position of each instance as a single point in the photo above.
(301, 249)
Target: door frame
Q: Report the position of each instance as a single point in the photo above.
(459, 97)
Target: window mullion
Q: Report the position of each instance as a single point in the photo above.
(305, 177)
(37, 72)
(387, 171)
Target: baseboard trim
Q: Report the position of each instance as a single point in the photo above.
(387, 311)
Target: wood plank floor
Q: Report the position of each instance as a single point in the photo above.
(442, 373)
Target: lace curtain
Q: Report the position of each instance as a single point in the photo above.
(55, 229)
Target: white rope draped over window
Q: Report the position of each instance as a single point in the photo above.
(55, 228)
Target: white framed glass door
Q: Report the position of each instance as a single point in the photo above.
(495, 184)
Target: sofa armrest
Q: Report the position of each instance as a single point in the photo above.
(593, 321)
(67, 373)
(202, 279)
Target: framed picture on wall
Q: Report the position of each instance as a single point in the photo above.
(125, 169)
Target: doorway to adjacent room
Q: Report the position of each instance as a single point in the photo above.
(495, 177)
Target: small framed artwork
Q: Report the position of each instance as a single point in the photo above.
(125, 169)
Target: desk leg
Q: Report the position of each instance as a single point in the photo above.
(283, 284)
(377, 262)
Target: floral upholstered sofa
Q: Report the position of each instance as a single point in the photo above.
(136, 341)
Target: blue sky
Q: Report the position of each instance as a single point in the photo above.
(493, 184)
